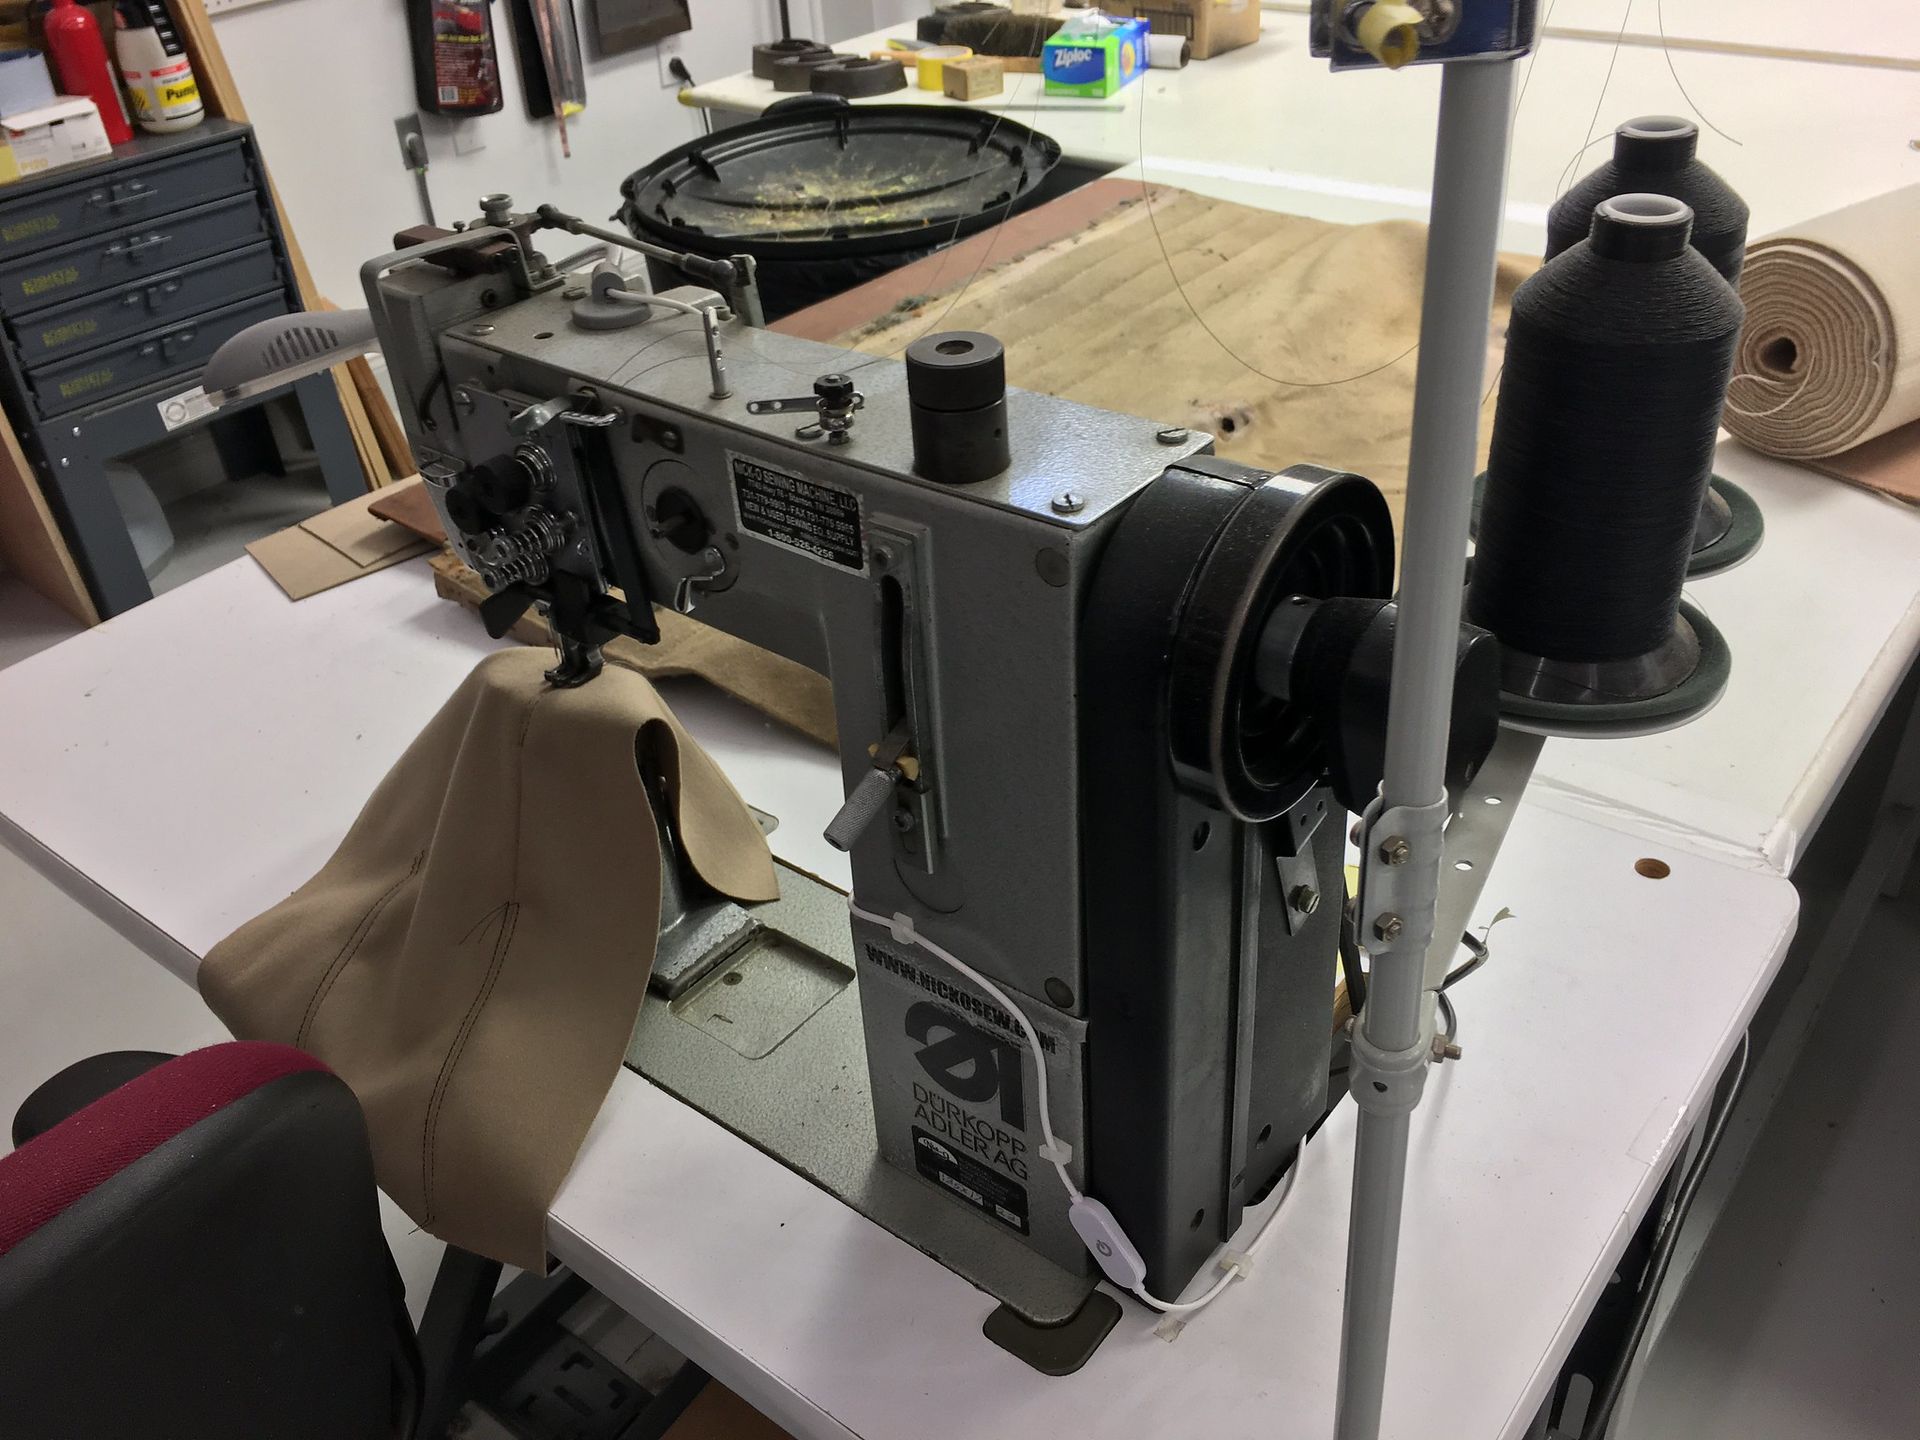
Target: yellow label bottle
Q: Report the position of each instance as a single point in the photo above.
(161, 90)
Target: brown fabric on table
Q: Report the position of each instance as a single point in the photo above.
(472, 958)
(1097, 318)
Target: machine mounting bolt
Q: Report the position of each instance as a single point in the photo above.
(573, 292)
(1394, 850)
(1388, 927)
(480, 329)
(1069, 502)
(1304, 898)
(1172, 435)
(464, 399)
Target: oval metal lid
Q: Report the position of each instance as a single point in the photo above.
(839, 181)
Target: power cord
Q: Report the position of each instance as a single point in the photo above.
(1119, 1259)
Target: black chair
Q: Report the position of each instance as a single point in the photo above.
(191, 1247)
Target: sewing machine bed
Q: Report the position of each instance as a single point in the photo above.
(769, 1044)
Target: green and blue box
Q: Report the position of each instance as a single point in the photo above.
(1093, 58)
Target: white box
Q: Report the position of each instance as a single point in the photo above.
(67, 131)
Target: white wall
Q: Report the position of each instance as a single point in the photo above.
(323, 81)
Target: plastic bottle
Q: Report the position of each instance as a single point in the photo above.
(161, 88)
(81, 67)
(456, 69)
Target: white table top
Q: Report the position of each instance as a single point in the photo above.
(195, 759)
(1269, 125)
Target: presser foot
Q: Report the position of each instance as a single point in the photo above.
(579, 663)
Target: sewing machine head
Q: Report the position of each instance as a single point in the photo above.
(1102, 698)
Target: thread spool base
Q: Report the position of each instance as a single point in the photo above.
(1678, 682)
(1740, 536)
(1729, 530)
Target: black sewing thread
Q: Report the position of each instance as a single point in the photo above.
(1655, 154)
(1618, 355)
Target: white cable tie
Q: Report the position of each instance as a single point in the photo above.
(1238, 1261)
(1056, 1150)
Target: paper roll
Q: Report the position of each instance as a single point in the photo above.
(1168, 52)
(1830, 356)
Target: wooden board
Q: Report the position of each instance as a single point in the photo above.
(1288, 339)
(30, 538)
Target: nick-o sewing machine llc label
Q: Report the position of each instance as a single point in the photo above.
(811, 516)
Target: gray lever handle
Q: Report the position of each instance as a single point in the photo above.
(863, 807)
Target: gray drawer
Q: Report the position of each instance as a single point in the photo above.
(87, 380)
(122, 256)
(120, 197)
(171, 295)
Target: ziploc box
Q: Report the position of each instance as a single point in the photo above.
(1095, 56)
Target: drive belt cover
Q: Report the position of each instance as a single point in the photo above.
(858, 77)
(765, 57)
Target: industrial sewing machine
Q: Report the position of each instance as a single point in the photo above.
(1104, 701)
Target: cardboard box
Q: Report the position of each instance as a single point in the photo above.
(1094, 57)
(63, 133)
(973, 79)
(1213, 26)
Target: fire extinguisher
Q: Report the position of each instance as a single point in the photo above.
(456, 67)
(80, 64)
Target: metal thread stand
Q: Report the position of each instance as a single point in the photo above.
(1392, 1043)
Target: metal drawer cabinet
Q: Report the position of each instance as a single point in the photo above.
(124, 255)
(112, 370)
(170, 295)
(87, 206)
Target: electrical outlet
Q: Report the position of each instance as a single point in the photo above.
(666, 52)
(413, 143)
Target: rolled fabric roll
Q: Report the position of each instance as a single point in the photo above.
(1830, 356)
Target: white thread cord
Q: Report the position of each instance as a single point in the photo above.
(1236, 1264)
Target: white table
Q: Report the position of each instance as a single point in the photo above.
(1270, 125)
(187, 764)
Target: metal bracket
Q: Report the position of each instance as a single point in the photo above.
(1292, 835)
(1399, 862)
(1388, 1082)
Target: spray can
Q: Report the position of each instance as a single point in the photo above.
(81, 66)
(161, 88)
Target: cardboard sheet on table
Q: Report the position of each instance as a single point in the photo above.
(334, 547)
(1889, 463)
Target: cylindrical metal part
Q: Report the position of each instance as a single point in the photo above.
(957, 399)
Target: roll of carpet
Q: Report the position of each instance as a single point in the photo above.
(1830, 356)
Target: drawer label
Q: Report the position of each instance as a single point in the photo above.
(56, 335)
(817, 519)
(51, 280)
(81, 384)
(177, 410)
(29, 228)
